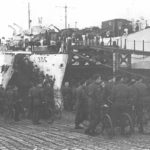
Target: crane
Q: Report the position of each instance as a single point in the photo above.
(20, 28)
(14, 30)
(54, 27)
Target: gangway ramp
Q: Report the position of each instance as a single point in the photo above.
(118, 57)
(139, 40)
(140, 59)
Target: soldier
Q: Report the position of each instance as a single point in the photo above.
(9, 104)
(35, 75)
(67, 96)
(2, 99)
(107, 91)
(141, 94)
(120, 100)
(48, 79)
(74, 95)
(95, 94)
(81, 105)
(17, 104)
(49, 102)
(36, 96)
(30, 101)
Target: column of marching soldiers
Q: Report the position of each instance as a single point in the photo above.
(124, 94)
(86, 98)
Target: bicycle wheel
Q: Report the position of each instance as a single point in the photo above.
(107, 126)
(127, 124)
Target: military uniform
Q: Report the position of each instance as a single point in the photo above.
(74, 96)
(95, 100)
(67, 97)
(30, 102)
(132, 94)
(17, 105)
(49, 104)
(132, 98)
(107, 91)
(120, 102)
(81, 106)
(2, 100)
(9, 104)
(36, 95)
(141, 94)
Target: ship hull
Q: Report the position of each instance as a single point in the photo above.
(51, 64)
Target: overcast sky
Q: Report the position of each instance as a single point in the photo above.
(85, 12)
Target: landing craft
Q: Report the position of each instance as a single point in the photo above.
(44, 51)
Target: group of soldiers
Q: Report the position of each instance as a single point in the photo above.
(38, 104)
(42, 105)
(10, 103)
(122, 95)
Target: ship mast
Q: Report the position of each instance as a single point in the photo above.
(29, 19)
(65, 7)
(65, 16)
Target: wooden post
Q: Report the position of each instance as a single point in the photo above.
(115, 65)
(143, 45)
(68, 46)
(110, 41)
(129, 61)
(134, 45)
(121, 43)
(143, 48)
(117, 42)
(125, 46)
(102, 43)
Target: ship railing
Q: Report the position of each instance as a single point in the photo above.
(87, 42)
(140, 45)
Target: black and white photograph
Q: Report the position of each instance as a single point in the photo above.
(74, 75)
